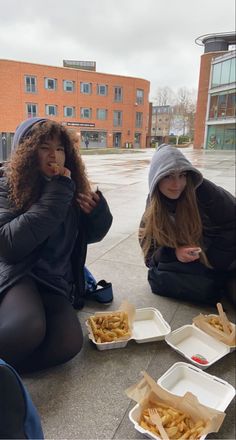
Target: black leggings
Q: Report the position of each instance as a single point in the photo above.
(38, 329)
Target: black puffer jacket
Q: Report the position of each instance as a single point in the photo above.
(217, 211)
(23, 235)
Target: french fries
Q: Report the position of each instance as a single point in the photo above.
(177, 424)
(215, 322)
(110, 327)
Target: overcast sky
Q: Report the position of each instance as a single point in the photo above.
(151, 39)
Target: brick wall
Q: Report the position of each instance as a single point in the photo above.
(13, 98)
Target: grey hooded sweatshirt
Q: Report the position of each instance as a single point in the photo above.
(167, 160)
(216, 208)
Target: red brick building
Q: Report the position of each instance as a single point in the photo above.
(107, 110)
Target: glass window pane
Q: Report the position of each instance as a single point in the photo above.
(232, 71)
(225, 72)
(216, 72)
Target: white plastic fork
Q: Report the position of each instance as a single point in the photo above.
(155, 418)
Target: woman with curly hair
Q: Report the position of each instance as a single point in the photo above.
(187, 232)
(48, 215)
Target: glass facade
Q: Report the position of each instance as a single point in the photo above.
(223, 73)
(221, 137)
(96, 139)
(222, 105)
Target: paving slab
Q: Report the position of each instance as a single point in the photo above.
(85, 399)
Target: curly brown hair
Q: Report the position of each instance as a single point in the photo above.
(23, 172)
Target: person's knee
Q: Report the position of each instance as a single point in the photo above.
(69, 349)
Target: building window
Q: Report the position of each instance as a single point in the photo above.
(50, 83)
(138, 120)
(102, 89)
(68, 86)
(31, 110)
(139, 96)
(118, 94)
(30, 84)
(102, 114)
(69, 112)
(223, 73)
(86, 88)
(117, 118)
(221, 137)
(85, 113)
(222, 105)
(51, 110)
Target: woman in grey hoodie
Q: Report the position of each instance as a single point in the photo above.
(187, 232)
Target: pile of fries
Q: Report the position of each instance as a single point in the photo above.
(110, 327)
(177, 424)
(216, 322)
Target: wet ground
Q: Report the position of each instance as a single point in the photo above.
(85, 398)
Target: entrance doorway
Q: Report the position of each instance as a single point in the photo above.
(117, 140)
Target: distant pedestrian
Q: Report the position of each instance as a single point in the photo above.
(187, 232)
(87, 143)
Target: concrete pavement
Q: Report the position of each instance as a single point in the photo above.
(85, 399)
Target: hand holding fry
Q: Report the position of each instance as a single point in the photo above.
(88, 201)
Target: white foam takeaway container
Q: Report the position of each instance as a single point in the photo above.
(191, 341)
(148, 326)
(210, 390)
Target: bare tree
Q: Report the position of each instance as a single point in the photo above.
(164, 96)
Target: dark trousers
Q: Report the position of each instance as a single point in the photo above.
(38, 329)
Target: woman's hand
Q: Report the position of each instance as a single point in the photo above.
(88, 201)
(187, 254)
(59, 170)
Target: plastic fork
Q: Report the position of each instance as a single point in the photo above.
(155, 418)
(223, 318)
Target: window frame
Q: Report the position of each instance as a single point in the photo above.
(139, 99)
(35, 85)
(66, 107)
(31, 114)
(68, 81)
(48, 113)
(117, 122)
(89, 84)
(116, 95)
(82, 112)
(46, 83)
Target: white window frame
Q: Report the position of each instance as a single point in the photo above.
(139, 96)
(117, 118)
(32, 87)
(102, 89)
(48, 109)
(83, 86)
(68, 82)
(31, 114)
(47, 83)
(66, 111)
(118, 95)
(101, 111)
(83, 111)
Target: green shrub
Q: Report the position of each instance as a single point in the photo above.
(183, 139)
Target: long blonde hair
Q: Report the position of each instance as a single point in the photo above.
(161, 229)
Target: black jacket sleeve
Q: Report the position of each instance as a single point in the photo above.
(217, 209)
(21, 234)
(98, 222)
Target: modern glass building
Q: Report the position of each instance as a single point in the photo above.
(221, 107)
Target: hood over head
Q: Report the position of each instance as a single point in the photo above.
(23, 129)
(167, 160)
